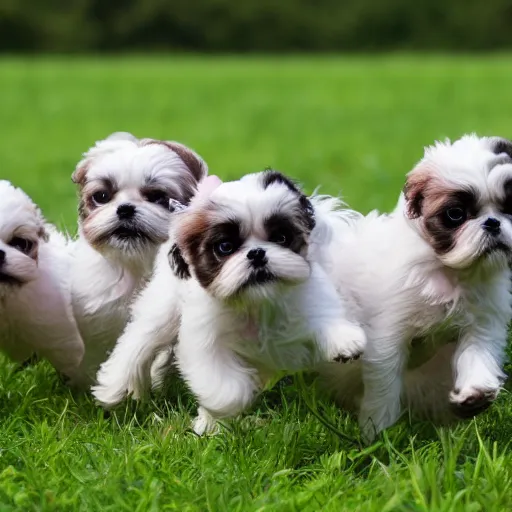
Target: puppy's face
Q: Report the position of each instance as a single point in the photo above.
(247, 239)
(125, 188)
(21, 231)
(460, 195)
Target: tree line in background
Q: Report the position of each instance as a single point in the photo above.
(254, 25)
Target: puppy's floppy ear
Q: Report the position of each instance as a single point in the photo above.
(271, 176)
(414, 189)
(205, 189)
(195, 164)
(500, 145)
(309, 212)
(78, 177)
(178, 265)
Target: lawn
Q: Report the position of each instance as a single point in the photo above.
(354, 126)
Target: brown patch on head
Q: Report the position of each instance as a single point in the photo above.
(414, 190)
(191, 159)
(79, 177)
(442, 208)
(80, 174)
(198, 237)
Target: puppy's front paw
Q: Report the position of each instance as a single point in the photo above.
(204, 423)
(346, 342)
(468, 403)
(113, 387)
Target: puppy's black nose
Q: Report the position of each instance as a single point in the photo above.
(125, 211)
(492, 226)
(258, 257)
(2, 258)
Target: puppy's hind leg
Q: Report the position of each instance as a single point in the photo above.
(383, 366)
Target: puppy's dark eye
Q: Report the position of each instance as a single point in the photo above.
(454, 217)
(283, 237)
(158, 197)
(224, 248)
(102, 197)
(21, 244)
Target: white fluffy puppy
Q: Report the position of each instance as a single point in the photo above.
(433, 273)
(251, 301)
(36, 316)
(125, 185)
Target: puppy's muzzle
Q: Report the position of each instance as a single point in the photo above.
(492, 226)
(257, 257)
(126, 211)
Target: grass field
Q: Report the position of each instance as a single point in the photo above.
(353, 125)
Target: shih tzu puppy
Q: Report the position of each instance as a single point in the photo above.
(36, 316)
(242, 297)
(125, 185)
(431, 284)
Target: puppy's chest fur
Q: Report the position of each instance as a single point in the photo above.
(273, 335)
(436, 323)
(102, 293)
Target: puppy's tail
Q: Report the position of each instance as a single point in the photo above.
(331, 212)
(426, 388)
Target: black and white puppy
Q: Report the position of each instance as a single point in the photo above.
(242, 296)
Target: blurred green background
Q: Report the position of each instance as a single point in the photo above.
(354, 125)
(254, 25)
(353, 121)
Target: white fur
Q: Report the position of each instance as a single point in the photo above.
(403, 291)
(35, 313)
(231, 343)
(108, 274)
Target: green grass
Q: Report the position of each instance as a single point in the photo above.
(354, 125)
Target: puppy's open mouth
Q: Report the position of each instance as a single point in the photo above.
(128, 232)
(9, 280)
(258, 277)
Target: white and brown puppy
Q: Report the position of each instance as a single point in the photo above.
(125, 186)
(36, 316)
(433, 273)
(242, 296)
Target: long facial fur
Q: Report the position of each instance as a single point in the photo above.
(249, 213)
(475, 175)
(145, 174)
